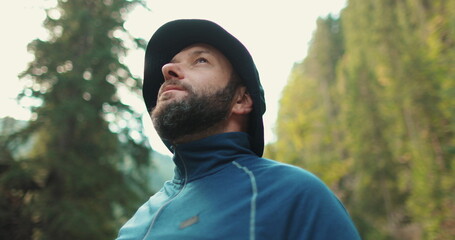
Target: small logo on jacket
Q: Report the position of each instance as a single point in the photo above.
(189, 222)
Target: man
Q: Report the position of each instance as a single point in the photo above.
(206, 102)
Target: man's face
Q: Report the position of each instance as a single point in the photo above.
(197, 92)
(200, 68)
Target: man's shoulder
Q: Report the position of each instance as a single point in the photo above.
(269, 165)
(287, 182)
(281, 173)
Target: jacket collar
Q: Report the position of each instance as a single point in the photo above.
(205, 156)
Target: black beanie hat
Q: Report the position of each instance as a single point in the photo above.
(176, 35)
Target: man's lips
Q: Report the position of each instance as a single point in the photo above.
(170, 88)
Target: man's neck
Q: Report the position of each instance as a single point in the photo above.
(217, 129)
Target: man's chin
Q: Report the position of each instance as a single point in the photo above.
(164, 105)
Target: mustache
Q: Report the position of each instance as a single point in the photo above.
(178, 84)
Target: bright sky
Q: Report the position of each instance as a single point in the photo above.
(276, 33)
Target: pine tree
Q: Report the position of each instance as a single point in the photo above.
(85, 173)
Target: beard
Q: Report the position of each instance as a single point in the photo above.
(194, 114)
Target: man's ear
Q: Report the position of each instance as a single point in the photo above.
(243, 104)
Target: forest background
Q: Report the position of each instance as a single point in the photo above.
(370, 110)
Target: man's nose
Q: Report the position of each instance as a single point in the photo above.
(171, 71)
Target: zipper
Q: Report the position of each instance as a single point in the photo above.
(160, 209)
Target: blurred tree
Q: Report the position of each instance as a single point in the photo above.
(371, 111)
(308, 119)
(376, 202)
(85, 172)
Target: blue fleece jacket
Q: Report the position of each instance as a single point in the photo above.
(222, 190)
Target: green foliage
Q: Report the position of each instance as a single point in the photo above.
(84, 175)
(371, 111)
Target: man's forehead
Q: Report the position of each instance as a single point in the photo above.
(199, 48)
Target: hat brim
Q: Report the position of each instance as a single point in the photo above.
(174, 36)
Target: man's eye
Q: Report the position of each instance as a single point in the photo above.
(201, 60)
